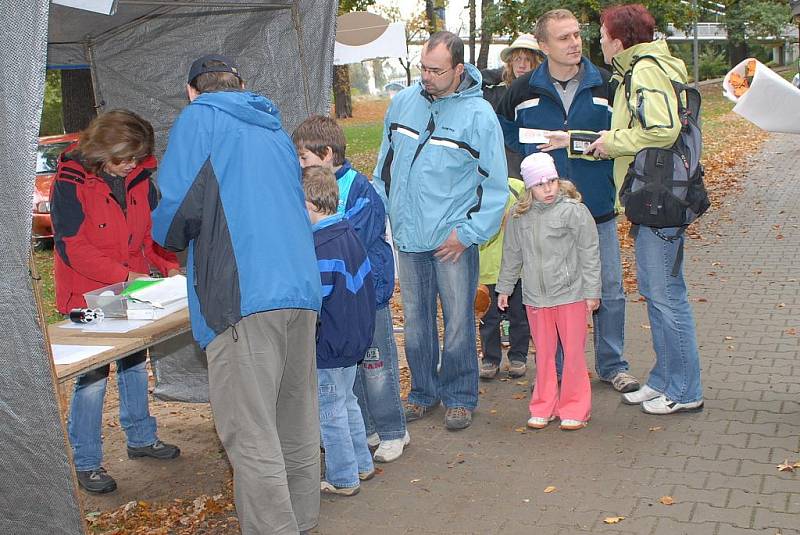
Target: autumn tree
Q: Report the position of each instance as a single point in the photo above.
(752, 18)
(511, 17)
(417, 30)
(343, 104)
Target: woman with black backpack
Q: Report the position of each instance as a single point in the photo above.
(649, 117)
(648, 124)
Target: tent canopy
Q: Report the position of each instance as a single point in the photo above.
(139, 56)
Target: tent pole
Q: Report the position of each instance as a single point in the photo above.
(299, 30)
(88, 47)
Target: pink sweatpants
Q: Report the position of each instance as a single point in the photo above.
(567, 322)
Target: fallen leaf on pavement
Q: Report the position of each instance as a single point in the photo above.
(729, 338)
(656, 428)
(526, 500)
(415, 480)
(493, 411)
(786, 467)
(522, 383)
(549, 489)
(518, 396)
(666, 500)
(791, 332)
(645, 326)
(613, 519)
(519, 429)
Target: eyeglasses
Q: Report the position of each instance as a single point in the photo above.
(433, 72)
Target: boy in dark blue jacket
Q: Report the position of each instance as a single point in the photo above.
(347, 321)
(320, 141)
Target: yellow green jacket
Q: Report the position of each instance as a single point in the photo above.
(491, 252)
(650, 117)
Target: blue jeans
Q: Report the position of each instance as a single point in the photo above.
(86, 410)
(422, 278)
(378, 382)
(609, 319)
(342, 427)
(676, 372)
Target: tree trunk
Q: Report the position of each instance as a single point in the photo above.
(737, 37)
(343, 104)
(486, 37)
(407, 67)
(472, 31)
(77, 98)
(430, 14)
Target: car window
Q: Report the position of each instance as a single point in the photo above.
(47, 157)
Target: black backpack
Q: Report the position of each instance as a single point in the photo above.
(664, 187)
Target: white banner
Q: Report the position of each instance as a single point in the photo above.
(390, 44)
(106, 7)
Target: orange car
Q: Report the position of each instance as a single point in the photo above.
(50, 148)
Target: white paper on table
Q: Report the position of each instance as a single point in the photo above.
(165, 292)
(532, 135)
(108, 325)
(67, 354)
(771, 103)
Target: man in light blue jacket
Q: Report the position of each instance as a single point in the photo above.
(442, 173)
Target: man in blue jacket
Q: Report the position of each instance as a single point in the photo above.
(442, 173)
(231, 193)
(567, 92)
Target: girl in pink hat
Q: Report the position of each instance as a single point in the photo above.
(551, 240)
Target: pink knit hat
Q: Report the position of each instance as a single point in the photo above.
(538, 168)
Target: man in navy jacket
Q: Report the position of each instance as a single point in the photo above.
(567, 92)
(231, 193)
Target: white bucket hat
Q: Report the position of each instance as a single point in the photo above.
(525, 40)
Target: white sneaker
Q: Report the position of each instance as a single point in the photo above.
(538, 422)
(391, 450)
(663, 405)
(572, 425)
(643, 394)
(374, 440)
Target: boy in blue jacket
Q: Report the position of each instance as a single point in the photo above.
(344, 333)
(321, 141)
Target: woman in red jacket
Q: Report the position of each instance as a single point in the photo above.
(101, 203)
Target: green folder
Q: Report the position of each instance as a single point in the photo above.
(138, 284)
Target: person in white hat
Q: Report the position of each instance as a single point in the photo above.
(520, 57)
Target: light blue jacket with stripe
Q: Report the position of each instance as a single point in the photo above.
(442, 166)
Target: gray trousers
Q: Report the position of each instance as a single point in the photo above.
(263, 387)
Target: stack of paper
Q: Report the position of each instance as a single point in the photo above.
(155, 298)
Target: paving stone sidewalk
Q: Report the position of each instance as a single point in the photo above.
(719, 466)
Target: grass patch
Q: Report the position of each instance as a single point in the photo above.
(363, 138)
(43, 260)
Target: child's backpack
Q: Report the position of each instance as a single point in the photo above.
(664, 187)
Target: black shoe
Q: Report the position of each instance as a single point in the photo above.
(97, 481)
(156, 450)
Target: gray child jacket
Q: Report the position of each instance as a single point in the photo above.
(555, 247)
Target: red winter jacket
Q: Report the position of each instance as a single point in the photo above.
(96, 243)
